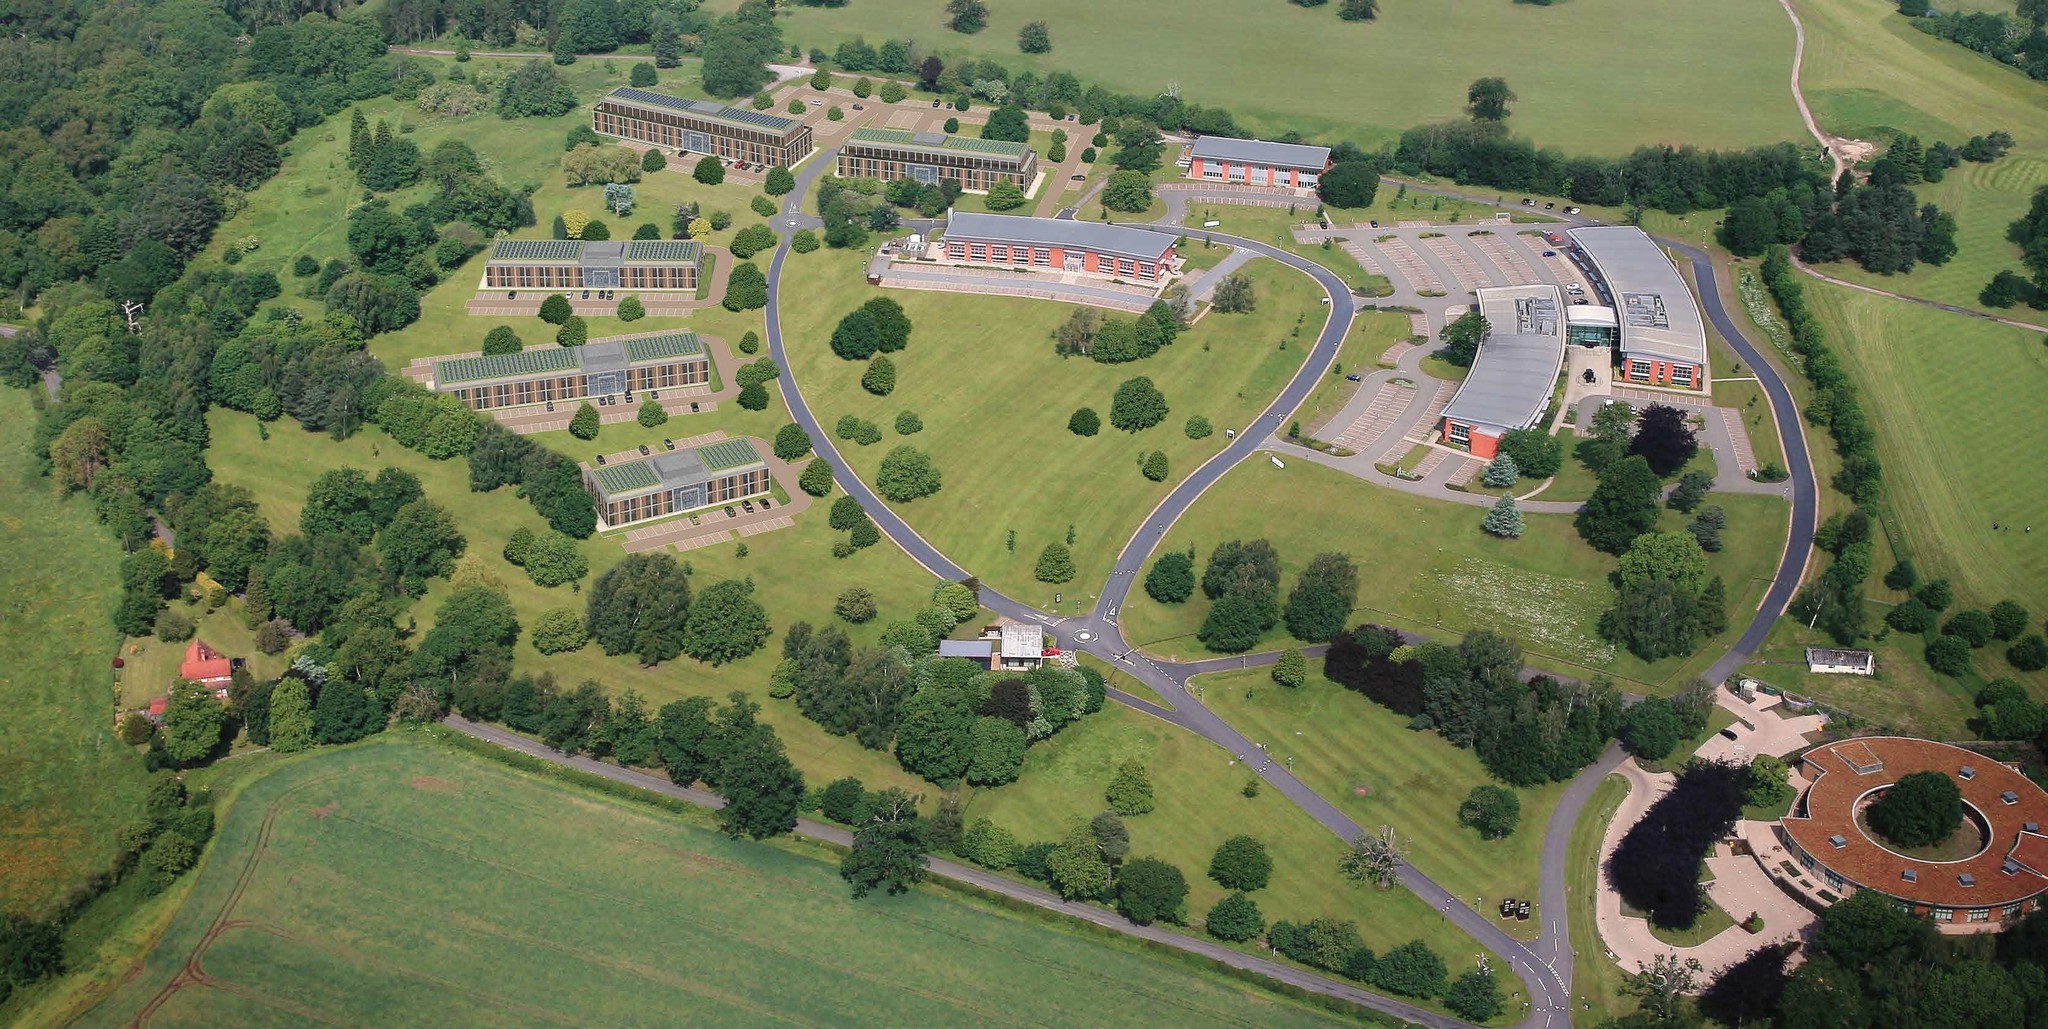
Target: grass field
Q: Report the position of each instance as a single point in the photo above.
(1298, 69)
(1942, 389)
(1904, 694)
(1869, 74)
(1426, 566)
(400, 883)
(1596, 980)
(1343, 743)
(1197, 788)
(67, 786)
(981, 373)
(794, 574)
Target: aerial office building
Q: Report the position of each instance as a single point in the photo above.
(1663, 336)
(675, 482)
(641, 265)
(1254, 162)
(702, 127)
(1515, 372)
(932, 157)
(1057, 244)
(599, 368)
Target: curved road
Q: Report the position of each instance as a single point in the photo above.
(1545, 966)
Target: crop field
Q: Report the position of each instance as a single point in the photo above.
(1197, 787)
(1869, 74)
(994, 398)
(1426, 566)
(795, 577)
(1956, 403)
(400, 883)
(69, 785)
(1364, 759)
(1303, 69)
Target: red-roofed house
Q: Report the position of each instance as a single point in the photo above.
(157, 707)
(206, 666)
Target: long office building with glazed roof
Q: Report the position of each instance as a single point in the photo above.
(602, 367)
(932, 157)
(701, 127)
(676, 482)
(649, 265)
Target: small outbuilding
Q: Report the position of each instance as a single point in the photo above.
(1829, 661)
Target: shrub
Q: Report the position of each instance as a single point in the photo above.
(559, 631)
(906, 473)
(816, 479)
(305, 267)
(804, 241)
(653, 161)
(880, 378)
(1084, 422)
(174, 627)
(856, 604)
(585, 423)
(1055, 564)
(762, 206)
(1155, 466)
(1199, 428)
(1291, 670)
(753, 239)
(908, 423)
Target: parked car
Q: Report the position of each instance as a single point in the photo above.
(1375, 223)
(729, 512)
(1729, 733)
(766, 503)
(1552, 206)
(935, 103)
(551, 406)
(1527, 202)
(747, 506)
(1230, 434)
(511, 294)
(1354, 377)
(860, 107)
(693, 407)
(1078, 178)
(1571, 210)
(600, 460)
(668, 444)
(1550, 253)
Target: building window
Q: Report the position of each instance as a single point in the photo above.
(1040, 255)
(1459, 434)
(1681, 375)
(1980, 914)
(1212, 171)
(2009, 911)
(1942, 915)
(1638, 369)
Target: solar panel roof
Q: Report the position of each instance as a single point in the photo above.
(664, 250)
(730, 453)
(934, 141)
(538, 361)
(620, 478)
(666, 345)
(536, 250)
(705, 109)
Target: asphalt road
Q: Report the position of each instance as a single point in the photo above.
(985, 880)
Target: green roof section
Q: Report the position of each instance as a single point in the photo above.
(536, 250)
(538, 361)
(665, 346)
(664, 250)
(621, 478)
(933, 141)
(728, 454)
(705, 109)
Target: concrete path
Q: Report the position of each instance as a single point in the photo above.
(1205, 283)
(1760, 728)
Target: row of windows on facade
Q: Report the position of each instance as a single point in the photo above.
(1259, 176)
(1643, 371)
(1835, 882)
(928, 174)
(575, 387)
(717, 491)
(722, 142)
(1000, 253)
(555, 276)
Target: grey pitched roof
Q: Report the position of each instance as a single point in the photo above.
(1516, 371)
(1121, 240)
(1258, 151)
(1659, 317)
(977, 650)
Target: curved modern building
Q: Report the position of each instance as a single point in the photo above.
(2000, 882)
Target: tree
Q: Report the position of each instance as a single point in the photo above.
(1076, 866)
(1004, 196)
(1234, 295)
(1129, 191)
(535, 90)
(1055, 564)
(1411, 970)
(747, 289)
(725, 623)
(2005, 289)
(1949, 655)
(1241, 863)
(761, 787)
(995, 751)
(640, 606)
(1767, 781)
(709, 170)
(1033, 38)
(1084, 422)
(291, 716)
(421, 542)
(1462, 338)
(1130, 789)
(574, 331)
(892, 325)
(1663, 439)
(1375, 858)
(1172, 578)
(1353, 184)
(555, 309)
(2029, 653)
(553, 559)
(1149, 889)
(1358, 10)
(752, 240)
(1972, 625)
(1500, 473)
(1320, 604)
(906, 473)
(2009, 619)
(966, 16)
(1656, 867)
(558, 631)
(1623, 505)
(1920, 810)
(1537, 454)
(1488, 99)
(502, 340)
(1137, 405)
(1651, 730)
(1475, 995)
(957, 597)
(1493, 810)
(192, 723)
(888, 851)
(880, 378)
(1154, 466)
(1235, 918)
(584, 423)
(1504, 519)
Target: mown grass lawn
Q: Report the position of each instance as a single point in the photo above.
(795, 577)
(1364, 759)
(1596, 979)
(1305, 70)
(994, 398)
(400, 881)
(1904, 695)
(1198, 788)
(70, 785)
(1424, 565)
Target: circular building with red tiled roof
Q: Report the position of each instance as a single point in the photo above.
(1966, 888)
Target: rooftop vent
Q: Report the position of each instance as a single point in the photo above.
(2009, 797)
(1910, 875)
(2031, 826)
(1838, 841)
(1967, 879)
(2010, 867)
(1968, 772)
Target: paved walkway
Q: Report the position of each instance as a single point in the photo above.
(1760, 728)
